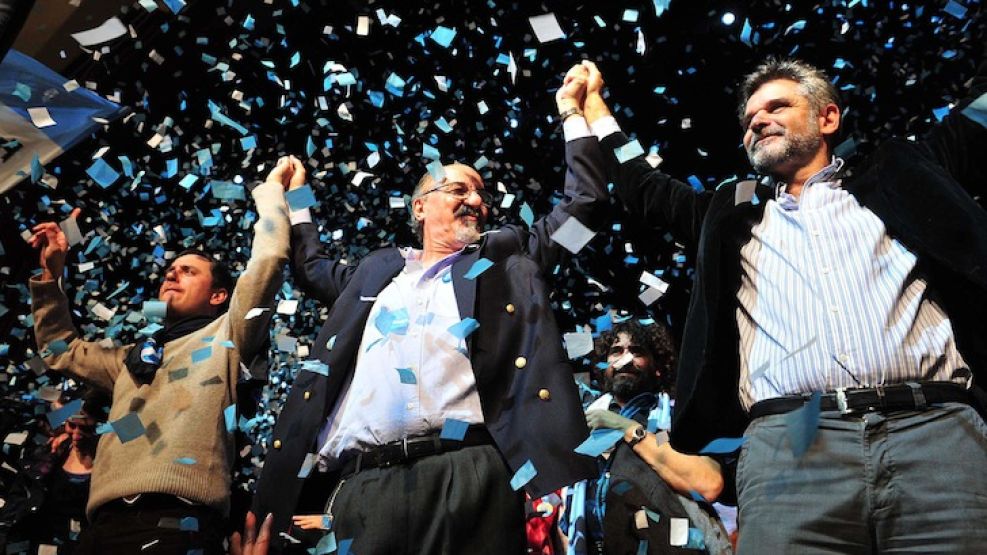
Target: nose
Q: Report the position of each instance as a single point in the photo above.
(759, 122)
(171, 274)
(474, 198)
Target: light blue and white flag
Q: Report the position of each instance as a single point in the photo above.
(41, 117)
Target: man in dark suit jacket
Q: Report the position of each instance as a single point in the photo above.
(403, 364)
(836, 320)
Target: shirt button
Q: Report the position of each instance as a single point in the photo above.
(826, 269)
(411, 406)
(844, 358)
(544, 394)
(277, 443)
(521, 362)
(834, 310)
(308, 395)
(509, 308)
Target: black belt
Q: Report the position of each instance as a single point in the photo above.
(411, 448)
(907, 396)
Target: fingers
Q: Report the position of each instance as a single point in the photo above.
(250, 529)
(297, 173)
(235, 547)
(260, 548)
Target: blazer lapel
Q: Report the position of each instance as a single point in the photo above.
(465, 289)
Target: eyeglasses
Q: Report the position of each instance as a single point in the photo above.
(85, 428)
(461, 191)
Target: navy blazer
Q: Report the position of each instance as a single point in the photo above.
(510, 301)
(920, 190)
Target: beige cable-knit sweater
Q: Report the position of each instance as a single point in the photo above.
(186, 450)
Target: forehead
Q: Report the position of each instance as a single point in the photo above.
(193, 260)
(773, 90)
(622, 339)
(463, 174)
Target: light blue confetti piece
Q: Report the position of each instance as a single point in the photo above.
(527, 215)
(390, 321)
(599, 441)
(216, 114)
(199, 355)
(326, 545)
(58, 416)
(296, 58)
(655, 517)
(425, 319)
(462, 329)
(315, 366)
(395, 84)
(326, 522)
(189, 524)
(309, 147)
(696, 183)
(188, 181)
(630, 16)
(430, 152)
(175, 5)
(300, 198)
(307, 464)
(376, 98)
(228, 344)
(572, 235)
(58, 347)
(443, 125)
(696, 496)
(128, 428)
(127, 165)
(453, 429)
(628, 151)
(977, 110)
(185, 460)
(661, 6)
(523, 475)
(478, 267)
(407, 376)
(723, 445)
(155, 309)
(102, 173)
(344, 546)
(642, 547)
(103, 428)
(227, 190)
(443, 36)
(330, 343)
(22, 91)
(345, 79)
(436, 170)
(745, 33)
(37, 170)
(171, 168)
(955, 9)
(481, 163)
(802, 425)
(940, 112)
(229, 414)
(247, 143)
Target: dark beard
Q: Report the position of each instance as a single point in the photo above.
(624, 388)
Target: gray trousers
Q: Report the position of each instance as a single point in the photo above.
(901, 482)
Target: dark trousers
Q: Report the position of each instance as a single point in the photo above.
(455, 502)
(901, 482)
(153, 525)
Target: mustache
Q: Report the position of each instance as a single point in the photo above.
(777, 132)
(466, 210)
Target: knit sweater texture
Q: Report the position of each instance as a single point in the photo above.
(186, 449)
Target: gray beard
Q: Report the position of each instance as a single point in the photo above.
(468, 235)
(799, 147)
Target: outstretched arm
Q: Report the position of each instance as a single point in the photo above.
(645, 193)
(585, 196)
(56, 335)
(317, 274)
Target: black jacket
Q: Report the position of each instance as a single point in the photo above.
(524, 426)
(921, 191)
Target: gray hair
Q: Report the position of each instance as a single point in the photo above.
(813, 83)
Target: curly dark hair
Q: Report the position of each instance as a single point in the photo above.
(654, 337)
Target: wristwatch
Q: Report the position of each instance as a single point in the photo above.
(637, 434)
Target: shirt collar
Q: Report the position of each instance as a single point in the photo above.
(413, 262)
(791, 202)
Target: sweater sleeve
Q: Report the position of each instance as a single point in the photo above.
(261, 280)
(58, 338)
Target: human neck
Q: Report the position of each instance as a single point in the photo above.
(795, 180)
(434, 252)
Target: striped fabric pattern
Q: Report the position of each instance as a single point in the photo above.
(829, 300)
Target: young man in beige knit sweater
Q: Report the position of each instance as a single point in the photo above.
(161, 478)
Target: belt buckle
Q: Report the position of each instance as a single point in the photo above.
(841, 401)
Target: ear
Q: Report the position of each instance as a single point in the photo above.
(418, 208)
(218, 297)
(829, 120)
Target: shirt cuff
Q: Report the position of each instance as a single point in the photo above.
(303, 216)
(574, 127)
(604, 127)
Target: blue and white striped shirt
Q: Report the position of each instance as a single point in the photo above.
(829, 300)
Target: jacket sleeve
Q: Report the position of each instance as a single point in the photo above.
(315, 272)
(584, 197)
(959, 142)
(261, 280)
(58, 340)
(650, 195)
